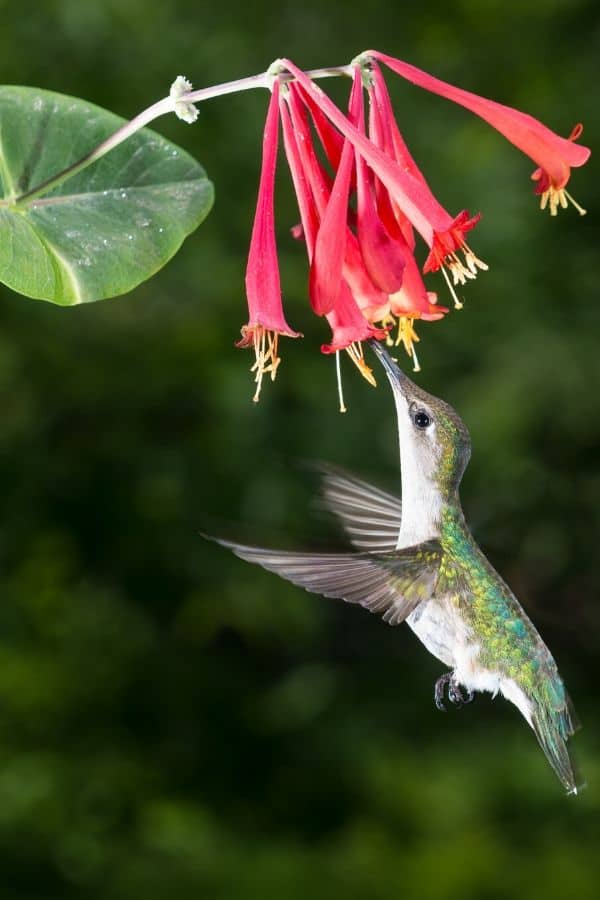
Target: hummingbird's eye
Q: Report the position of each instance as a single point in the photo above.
(421, 419)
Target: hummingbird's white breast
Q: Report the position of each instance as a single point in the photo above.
(440, 627)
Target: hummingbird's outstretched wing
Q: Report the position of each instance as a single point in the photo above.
(390, 583)
(371, 517)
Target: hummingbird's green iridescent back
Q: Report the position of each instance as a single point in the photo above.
(509, 642)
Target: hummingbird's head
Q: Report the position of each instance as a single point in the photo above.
(434, 441)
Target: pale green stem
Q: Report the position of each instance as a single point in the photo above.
(161, 108)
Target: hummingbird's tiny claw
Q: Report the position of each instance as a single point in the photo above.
(440, 686)
(455, 694)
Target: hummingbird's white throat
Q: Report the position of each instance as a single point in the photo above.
(421, 497)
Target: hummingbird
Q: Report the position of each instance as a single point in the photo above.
(415, 561)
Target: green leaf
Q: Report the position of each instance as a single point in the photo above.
(106, 228)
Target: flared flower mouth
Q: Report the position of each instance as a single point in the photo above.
(553, 193)
(265, 343)
(450, 253)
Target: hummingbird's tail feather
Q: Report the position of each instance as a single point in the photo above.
(370, 517)
(573, 722)
(553, 728)
(389, 584)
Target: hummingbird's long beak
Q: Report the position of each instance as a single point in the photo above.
(398, 380)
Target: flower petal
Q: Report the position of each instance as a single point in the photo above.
(263, 287)
(307, 231)
(446, 243)
(414, 198)
(331, 140)
(395, 144)
(382, 256)
(389, 212)
(372, 301)
(330, 247)
(413, 299)
(554, 154)
(348, 324)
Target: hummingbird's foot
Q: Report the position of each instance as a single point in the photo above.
(440, 687)
(458, 694)
(455, 692)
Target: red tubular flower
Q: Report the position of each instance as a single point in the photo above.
(411, 194)
(266, 320)
(446, 244)
(348, 325)
(351, 283)
(299, 144)
(330, 247)
(309, 226)
(407, 300)
(384, 132)
(373, 302)
(393, 142)
(364, 278)
(330, 138)
(419, 205)
(413, 299)
(444, 255)
(382, 255)
(389, 212)
(349, 329)
(554, 155)
(313, 191)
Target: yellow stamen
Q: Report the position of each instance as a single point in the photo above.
(338, 371)
(461, 271)
(472, 261)
(355, 352)
(388, 322)
(555, 197)
(408, 337)
(267, 360)
(457, 303)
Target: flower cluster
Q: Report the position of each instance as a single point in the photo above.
(363, 201)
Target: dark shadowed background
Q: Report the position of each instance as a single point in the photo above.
(175, 723)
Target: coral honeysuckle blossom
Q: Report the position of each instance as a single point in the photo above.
(263, 286)
(338, 281)
(363, 202)
(554, 155)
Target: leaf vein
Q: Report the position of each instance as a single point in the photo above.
(108, 192)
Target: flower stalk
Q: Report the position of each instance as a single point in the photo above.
(164, 107)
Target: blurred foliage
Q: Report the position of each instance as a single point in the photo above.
(175, 723)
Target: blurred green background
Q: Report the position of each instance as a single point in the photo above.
(175, 723)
